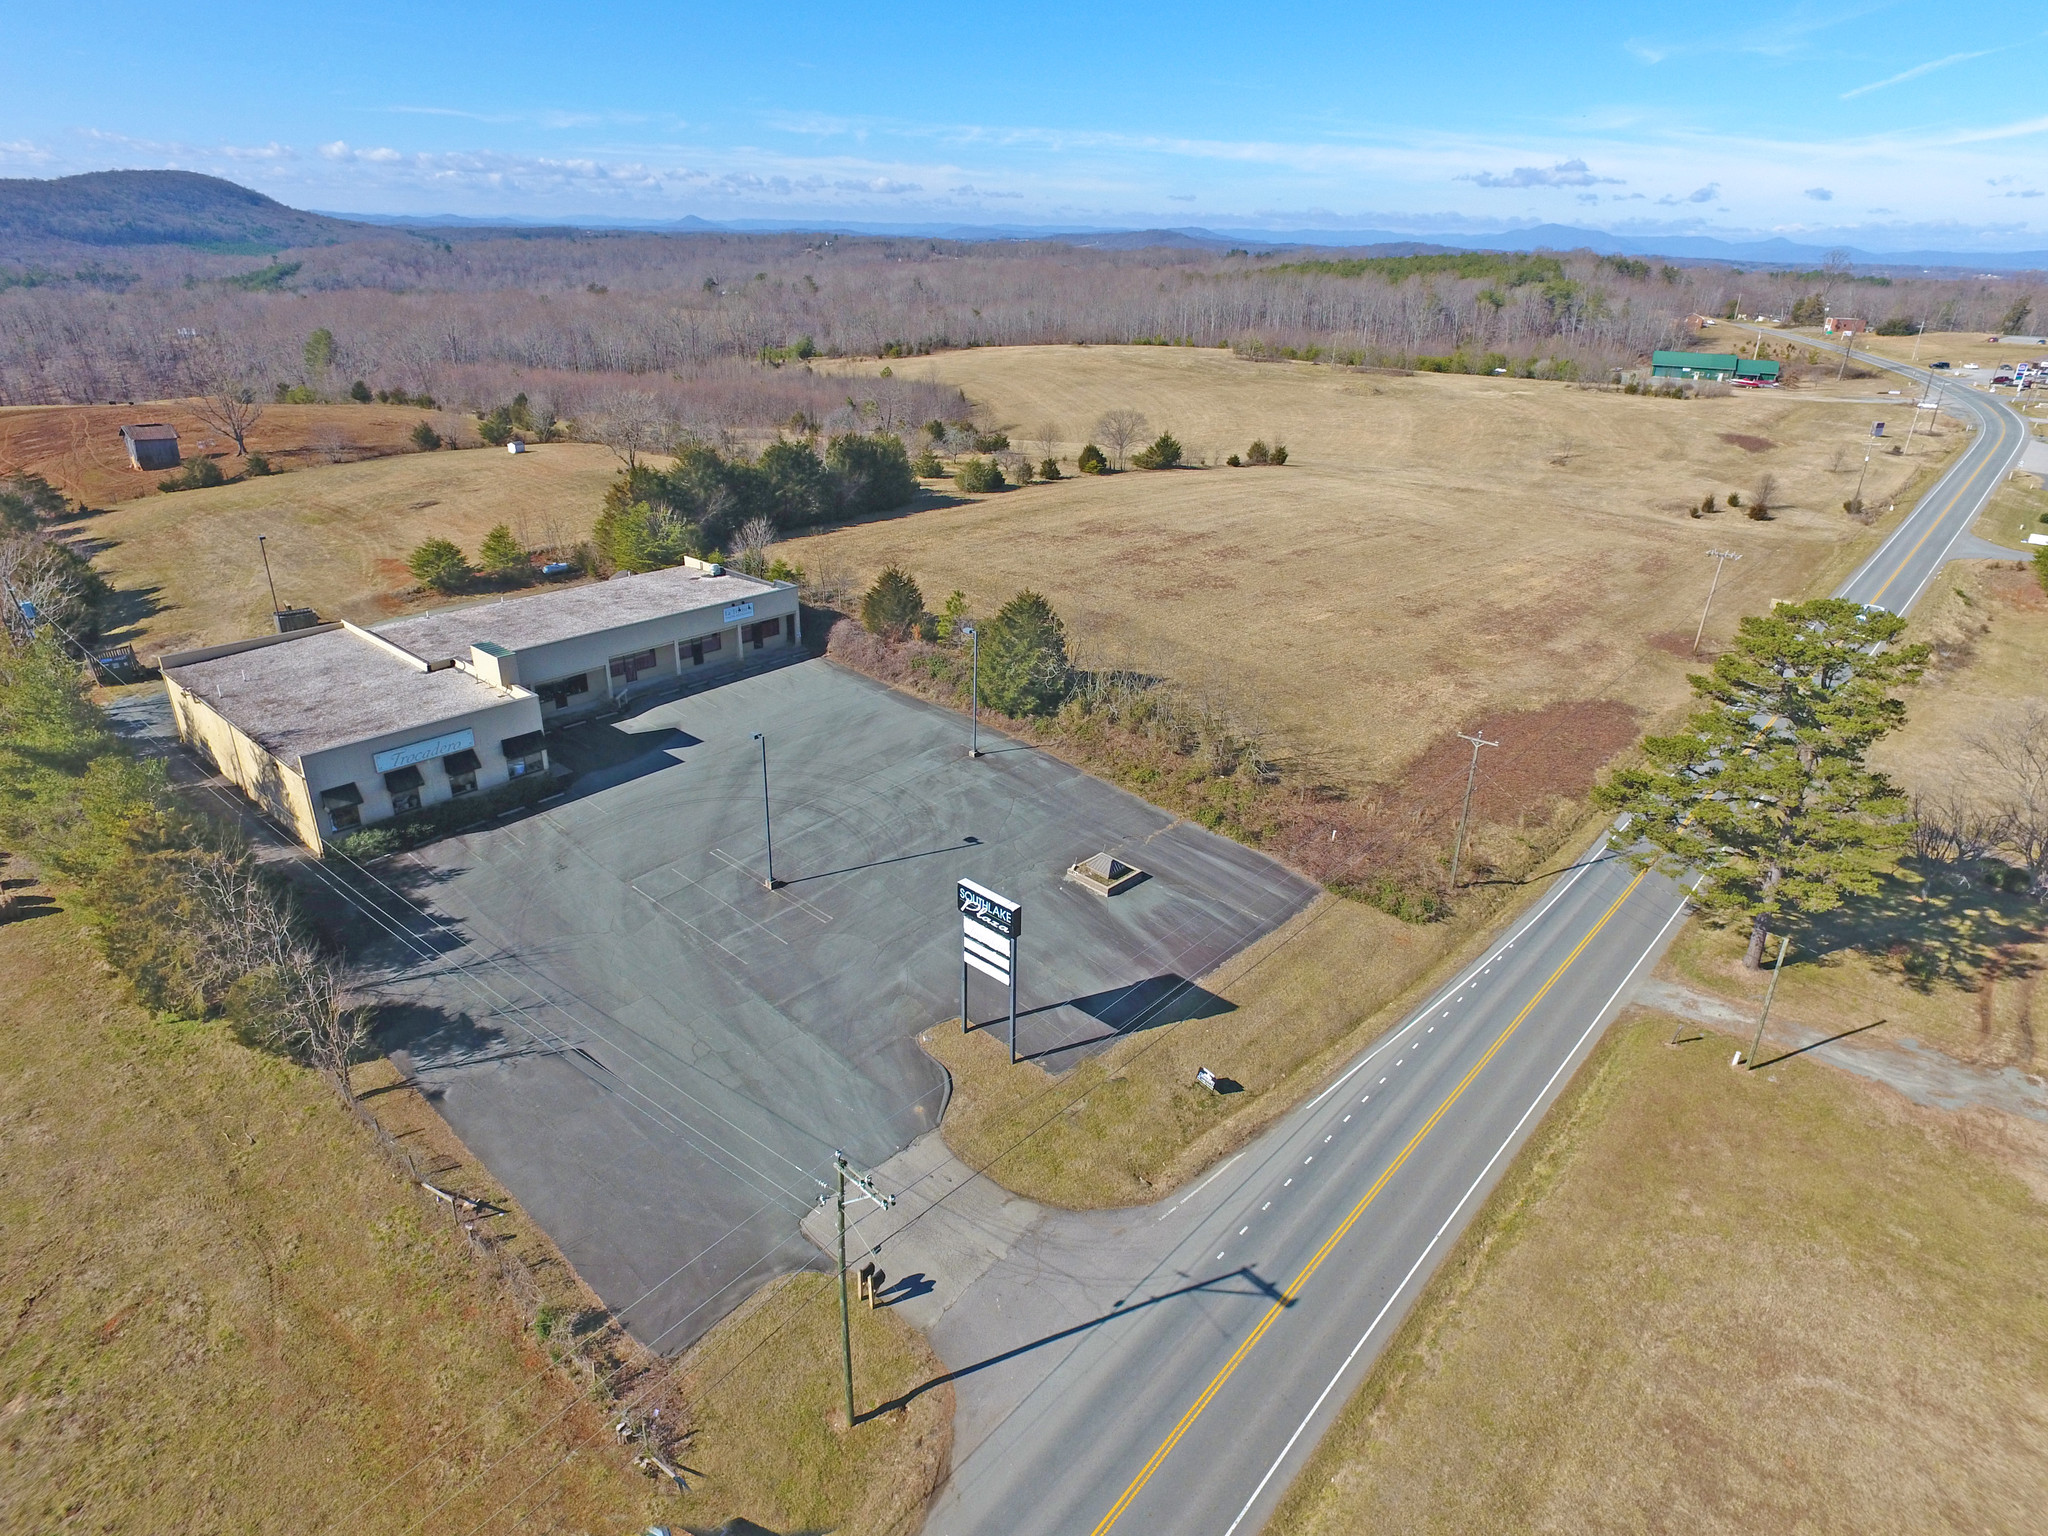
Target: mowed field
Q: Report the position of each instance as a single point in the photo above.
(1438, 551)
(188, 566)
(77, 448)
(1707, 1301)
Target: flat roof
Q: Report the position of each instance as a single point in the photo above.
(568, 613)
(329, 688)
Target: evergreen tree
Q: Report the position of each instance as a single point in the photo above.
(1165, 453)
(1766, 791)
(500, 553)
(874, 471)
(799, 486)
(893, 606)
(1024, 666)
(439, 564)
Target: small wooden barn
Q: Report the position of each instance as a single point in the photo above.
(151, 445)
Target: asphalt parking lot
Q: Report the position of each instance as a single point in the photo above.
(658, 1056)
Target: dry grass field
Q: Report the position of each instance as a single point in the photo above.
(225, 1312)
(77, 448)
(1954, 347)
(188, 568)
(1705, 1301)
(1440, 549)
(1939, 957)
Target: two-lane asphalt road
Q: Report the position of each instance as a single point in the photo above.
(1168, 1370)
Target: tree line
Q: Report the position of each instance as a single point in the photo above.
(177, 904)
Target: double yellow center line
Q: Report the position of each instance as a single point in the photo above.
(1187, 1420)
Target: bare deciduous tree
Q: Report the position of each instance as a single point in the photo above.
(2014, 753)
(1048, 439)
(1118, 430)
(221, 377)
(751, 542)
(631, 422)
(1764, 497)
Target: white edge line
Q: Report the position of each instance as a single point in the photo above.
(1534, 1105)
(1452, 988)
(1184, 1199)
(1969, 523)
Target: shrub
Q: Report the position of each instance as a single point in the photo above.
(894, 606)
(1024, 665)
(500, 553)
(1708, 504)
(991, 442)
(195, 476)
(927, 464)
(2041, 566)
(425, 438)
(874, 471)
(637, 537)
(440, 818)
(1091, 461)
(439, 564)
(297, 394)
(1234, 462)
(1279, 454)
(256, 464)
(1258, 453)
(979, 476)
(1735, 499)
(360, 393)
(1898, 325)
(1048, 469)
(1023, 471)
(1164, 453)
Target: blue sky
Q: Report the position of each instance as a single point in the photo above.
(1892, 124)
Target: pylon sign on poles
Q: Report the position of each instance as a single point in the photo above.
(990, 927)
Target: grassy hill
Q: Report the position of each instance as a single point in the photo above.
(123, 208)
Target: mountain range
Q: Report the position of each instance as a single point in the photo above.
(123, 208)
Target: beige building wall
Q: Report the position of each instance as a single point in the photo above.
(280, 791)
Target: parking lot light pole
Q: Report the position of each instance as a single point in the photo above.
(767, 826)
(974, 689)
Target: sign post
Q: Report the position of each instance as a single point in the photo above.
(990, 926)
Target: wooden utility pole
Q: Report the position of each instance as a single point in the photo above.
(1784, 943)
(1465, 815)
(1721, 558)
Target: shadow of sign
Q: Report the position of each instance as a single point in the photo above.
(1169, 998)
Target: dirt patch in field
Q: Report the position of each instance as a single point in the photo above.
(1673, 642)
(1544, 755)
(1748, 442)
(77, 448)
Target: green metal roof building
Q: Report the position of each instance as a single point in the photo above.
(1710, 365)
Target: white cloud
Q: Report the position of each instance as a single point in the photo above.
(1915, 72)
(1704, 194)
(1567, 173)
(1819, 194)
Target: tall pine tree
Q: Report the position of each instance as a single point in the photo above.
(1766, 791)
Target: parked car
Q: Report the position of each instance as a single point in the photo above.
(1937, 365)
(2001, 378)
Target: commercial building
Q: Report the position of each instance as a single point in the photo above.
(1711, 366)
(1844, 325)
(337, 726)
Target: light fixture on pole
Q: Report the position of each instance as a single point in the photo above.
(261, 549)
(1721, 558)
(1465, 815)
(767, 826)
(973, 635)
